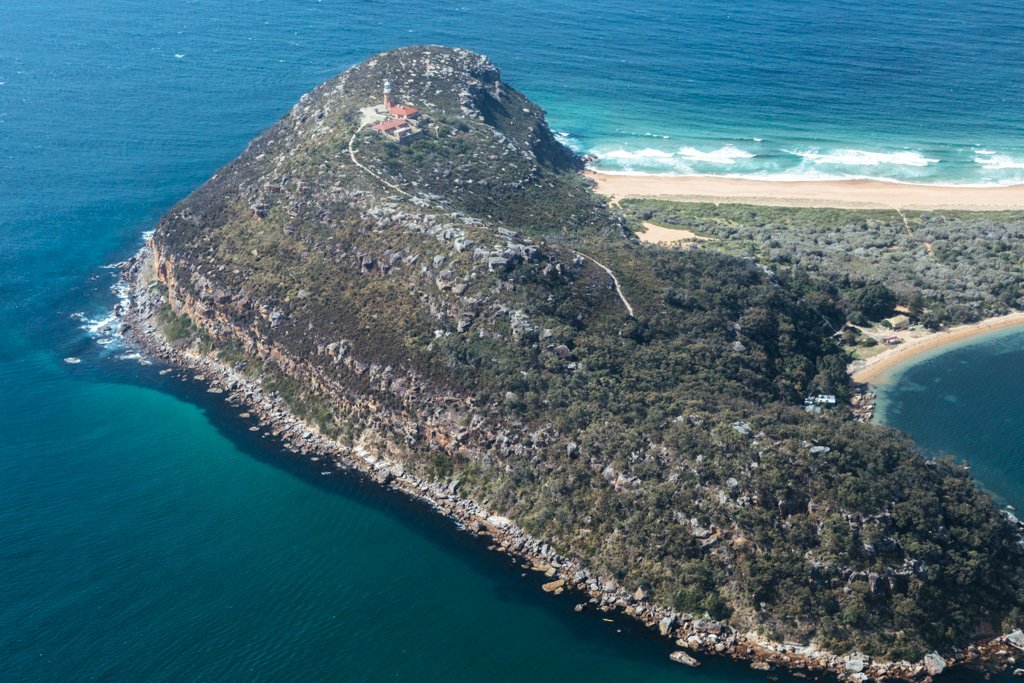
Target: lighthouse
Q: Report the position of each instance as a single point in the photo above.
(388, 104)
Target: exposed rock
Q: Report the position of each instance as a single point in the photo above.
(681, 657)
(856, 663)
(934, 663)
(707, 626)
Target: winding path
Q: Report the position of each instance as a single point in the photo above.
(396, 188)
(910, 233)
(352, 153)
(618, 287)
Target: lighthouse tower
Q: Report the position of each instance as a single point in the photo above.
(388, 103)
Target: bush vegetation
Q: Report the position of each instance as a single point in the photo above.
(960, 266)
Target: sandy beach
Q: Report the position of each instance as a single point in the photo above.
(838, 194)
(871, 370)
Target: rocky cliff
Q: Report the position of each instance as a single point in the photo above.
(465, 309)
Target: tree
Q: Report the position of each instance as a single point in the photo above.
(874, 300)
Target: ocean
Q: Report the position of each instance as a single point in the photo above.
(145, 534)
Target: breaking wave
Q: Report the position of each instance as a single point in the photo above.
(993, 161)
(753, 158)
(861, 157)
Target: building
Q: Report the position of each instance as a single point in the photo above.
(897, 322)
(891, 341)
(404, 111)
(392, 108)
(399, 119)
(400, 130)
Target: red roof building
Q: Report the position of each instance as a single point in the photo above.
(393, 124)
(404, 111)
(400, 130)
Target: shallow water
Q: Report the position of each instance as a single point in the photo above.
(967, 402)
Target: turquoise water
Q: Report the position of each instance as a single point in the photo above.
(967, 403)
(144, 533)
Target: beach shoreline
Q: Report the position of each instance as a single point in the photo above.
(834, 194)
(873, 369)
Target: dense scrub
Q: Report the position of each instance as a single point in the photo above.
(960, 266)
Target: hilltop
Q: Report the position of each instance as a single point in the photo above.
(464, 317)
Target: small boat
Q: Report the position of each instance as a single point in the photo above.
(72, 360)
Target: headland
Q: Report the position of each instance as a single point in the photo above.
(452, 313)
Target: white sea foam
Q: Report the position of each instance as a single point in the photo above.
(723, 155)
(804, 175)
(861, 157)
(810, 163)
(997, 162)
(642, 157)
(95, 326)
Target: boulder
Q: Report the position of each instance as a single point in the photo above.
(856, 663)
(553, 586)
(707, 626)
(498, 521)
(681, 657)
(1016, 639)
(934, 663)
(666, 625)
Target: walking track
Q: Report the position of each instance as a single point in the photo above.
(396, 188)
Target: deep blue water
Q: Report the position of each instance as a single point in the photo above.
(144, 533)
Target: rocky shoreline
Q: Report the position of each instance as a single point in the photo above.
(691, 633)
(863, 402)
